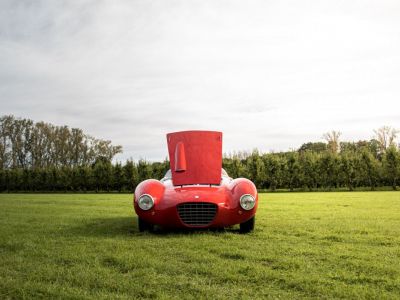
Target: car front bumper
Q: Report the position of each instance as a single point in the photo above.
(172, 217)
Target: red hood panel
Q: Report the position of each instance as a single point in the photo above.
(195, 157)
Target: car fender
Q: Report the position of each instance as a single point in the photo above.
(240, 187)
(152, 187)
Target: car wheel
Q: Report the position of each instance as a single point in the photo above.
(144, 226)
(247, 226)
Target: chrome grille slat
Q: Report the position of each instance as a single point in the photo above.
(197, 213)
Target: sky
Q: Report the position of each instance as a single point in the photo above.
(268, 74)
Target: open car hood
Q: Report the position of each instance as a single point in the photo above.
(195, 157)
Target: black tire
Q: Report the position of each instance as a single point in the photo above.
(248, 226)
(144, 226)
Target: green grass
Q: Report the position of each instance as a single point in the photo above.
(324, 245)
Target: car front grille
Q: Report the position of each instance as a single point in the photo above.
(197, 213)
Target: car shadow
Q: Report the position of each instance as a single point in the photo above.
(116, 226)
(185, 231)
(127, 226)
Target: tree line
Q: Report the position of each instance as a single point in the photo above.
(101, 176)
(25, 144)
(326, 170)
(327, 165)
(68, 160)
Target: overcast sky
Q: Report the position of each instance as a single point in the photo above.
(269, 74)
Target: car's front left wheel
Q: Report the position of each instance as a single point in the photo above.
(144, 226)
(248, 226)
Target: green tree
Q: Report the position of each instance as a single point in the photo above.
(25, 144)
(308, 163)
(65, 176)
(314, 147)
(292, 170)
(159, 169)
(131, 176)
(369, 167)
(273, 170)
(255, 168)
(328, 170)
(391, 161)
(348, 168)
(119, 179)
(102, 174)
(144, 170)
(238, 169)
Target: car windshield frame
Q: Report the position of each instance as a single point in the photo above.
(168, 175)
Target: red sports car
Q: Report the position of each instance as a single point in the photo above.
(196, 192)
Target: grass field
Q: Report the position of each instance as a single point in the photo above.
(324, 245)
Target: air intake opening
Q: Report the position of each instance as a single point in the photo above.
(197, 213)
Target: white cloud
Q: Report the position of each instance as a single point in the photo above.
(270, 75)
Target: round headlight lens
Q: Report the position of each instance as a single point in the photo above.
(145, 202)
(247, 202)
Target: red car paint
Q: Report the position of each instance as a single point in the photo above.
(195, 157)
(195, 161)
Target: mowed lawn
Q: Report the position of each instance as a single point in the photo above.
(324, 245)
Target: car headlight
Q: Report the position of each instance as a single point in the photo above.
(145, 202)
(247, 202)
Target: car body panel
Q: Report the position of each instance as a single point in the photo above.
(196, 179)
(195, 157)
(167, 197)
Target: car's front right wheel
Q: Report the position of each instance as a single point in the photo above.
(144, 226)
(248, 226)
